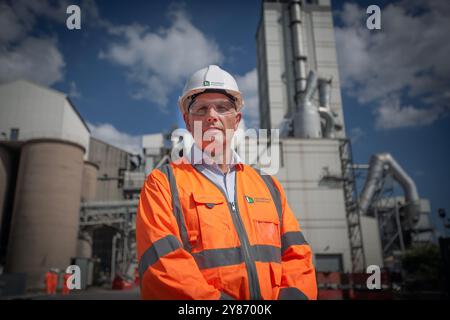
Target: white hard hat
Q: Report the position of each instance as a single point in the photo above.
(211, 78)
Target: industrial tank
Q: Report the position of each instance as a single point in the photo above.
(84, 245)
(45, 220)
(89, 186)
(5, 171)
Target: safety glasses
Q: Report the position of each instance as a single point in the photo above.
(221, 106)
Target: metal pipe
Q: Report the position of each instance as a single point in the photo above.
(295, 14)
(311, 86)
(327, 130)
(113, 255)
(110, 204)
(324, 86)
(307, 118)
(380, 163)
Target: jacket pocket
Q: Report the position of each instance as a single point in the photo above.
(215, 222)
(267, 228)
(275, 274)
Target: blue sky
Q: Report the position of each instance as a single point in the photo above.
(126, 67)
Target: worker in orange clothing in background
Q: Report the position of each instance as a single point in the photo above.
(65, 287)
(51, 281)
(136, 276)
(211, 227)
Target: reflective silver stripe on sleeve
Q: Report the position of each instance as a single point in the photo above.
(265, 253)
(214, 258)
(292, 238)
(168, 171)
(291, 293)
(276, 197)
(224, 296)
(158, 249)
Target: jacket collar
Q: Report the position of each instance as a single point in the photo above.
(197, 157)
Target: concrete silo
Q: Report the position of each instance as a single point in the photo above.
(44, 225)
(89, 186)
(5, 169)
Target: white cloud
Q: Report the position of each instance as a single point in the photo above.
(160, 61)
(356, 134)
(10, 26)
(34, 59)
(390, 114)
(248, 85)
(408, 56)
(73, 90)
(108, 133)
(25, 56)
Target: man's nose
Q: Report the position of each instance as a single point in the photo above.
(211, 115)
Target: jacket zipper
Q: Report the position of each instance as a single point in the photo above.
(249, 260)
(255, 293)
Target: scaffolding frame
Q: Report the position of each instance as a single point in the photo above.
(120, 215)
(352, 207)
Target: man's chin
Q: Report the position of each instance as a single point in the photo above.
(212, 146)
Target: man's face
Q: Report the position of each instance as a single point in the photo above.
(212, 118)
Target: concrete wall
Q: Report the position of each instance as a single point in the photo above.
(371, 241)
(271, 66)
(319, 207)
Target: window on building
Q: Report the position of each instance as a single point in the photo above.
(14, 134)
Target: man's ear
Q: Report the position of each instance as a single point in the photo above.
(186, 122)
(238, 119)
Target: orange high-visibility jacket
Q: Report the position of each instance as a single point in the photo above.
(193, 244)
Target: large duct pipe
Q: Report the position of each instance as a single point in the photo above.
(327, 129)
(295, 15)
(307, 118)
(324, 92)
(377, 166)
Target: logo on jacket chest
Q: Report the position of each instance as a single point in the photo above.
(252, 200)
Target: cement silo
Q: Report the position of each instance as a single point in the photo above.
(88, 193)
(44, 225)
(89, 186)
(5, 170)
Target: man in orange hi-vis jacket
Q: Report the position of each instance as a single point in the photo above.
(217, 228)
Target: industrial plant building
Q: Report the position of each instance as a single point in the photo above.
(68, 198)
(50, 169)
